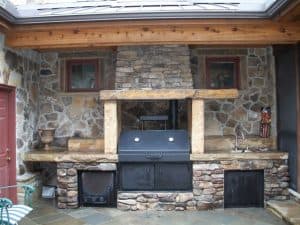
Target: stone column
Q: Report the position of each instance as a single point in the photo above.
(67, 190)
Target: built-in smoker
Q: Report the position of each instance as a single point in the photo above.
(155, 160)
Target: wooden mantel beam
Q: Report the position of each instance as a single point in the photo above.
(168, 94)
(203, 32)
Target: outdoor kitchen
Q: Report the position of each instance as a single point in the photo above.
(161, 137)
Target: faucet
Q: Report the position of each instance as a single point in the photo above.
(239, 138)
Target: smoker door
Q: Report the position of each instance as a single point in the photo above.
(174, 176)
(97, 188)
(136, 176)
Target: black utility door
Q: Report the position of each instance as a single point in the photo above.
(244, 188)
(286, 86)
(172, 176)
(137, 176)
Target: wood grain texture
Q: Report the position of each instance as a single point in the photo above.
(238, 156)
(118, 33)
(111, 130)
(291, 13)
(86, 144)
(168, 94)
(197, 134)
(61, 155)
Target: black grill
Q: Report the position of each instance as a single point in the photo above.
(155, 160)
(154, 145)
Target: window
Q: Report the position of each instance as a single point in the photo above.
(82, 75)
(222, 73)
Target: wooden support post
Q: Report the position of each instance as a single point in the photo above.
(189, 116)
(119, 118)
(197, 135)
(111, 131)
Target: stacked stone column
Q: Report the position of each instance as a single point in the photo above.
(67, 185)
(67, 179)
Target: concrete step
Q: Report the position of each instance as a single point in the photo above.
(288, 211)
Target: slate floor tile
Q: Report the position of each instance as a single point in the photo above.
(96, 219)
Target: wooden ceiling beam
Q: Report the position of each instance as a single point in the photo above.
(202, 32)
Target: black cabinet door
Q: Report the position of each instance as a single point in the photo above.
(136, 176)
(244, 188)
(172, 176)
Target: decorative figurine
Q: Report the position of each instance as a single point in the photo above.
(265, 122)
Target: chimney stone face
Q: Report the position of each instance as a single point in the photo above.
(153, 67)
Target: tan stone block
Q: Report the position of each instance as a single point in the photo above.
(184, 197)
(84, 144)
(72, 193)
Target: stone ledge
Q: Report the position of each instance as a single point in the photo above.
(238, 156)
(65, 156)
(223, 143)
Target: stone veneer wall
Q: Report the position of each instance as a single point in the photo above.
(67, 177)
(152, 67)
(155, 67)
(168, 66)
(72, 114)
(208, 187)
(21, 69)
(257, 89)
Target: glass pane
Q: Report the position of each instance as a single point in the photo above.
(222, 74)
(83, 76)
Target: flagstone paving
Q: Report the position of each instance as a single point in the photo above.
(287, 210)
(45, 213)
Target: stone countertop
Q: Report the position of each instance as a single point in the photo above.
(238, 156)
(63, 155)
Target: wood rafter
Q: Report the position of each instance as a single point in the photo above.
(202, 32)
(5, 27)
(291, 13)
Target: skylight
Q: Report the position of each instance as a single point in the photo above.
(77, 10)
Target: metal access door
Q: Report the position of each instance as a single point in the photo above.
(155, 176)
(137, 176)
(243, 188)
(177, 176)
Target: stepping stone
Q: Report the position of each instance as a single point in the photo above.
(287, 210)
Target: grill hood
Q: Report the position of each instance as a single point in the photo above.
(154, 145)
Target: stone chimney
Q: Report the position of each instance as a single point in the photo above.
(153, 67)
